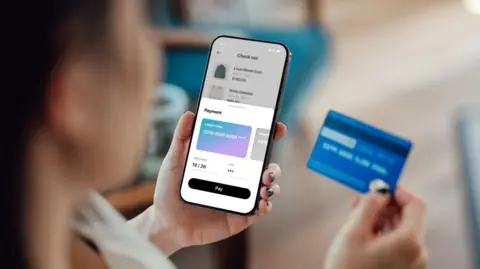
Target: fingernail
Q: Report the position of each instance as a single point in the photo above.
(270, 192)
(268, 203)
(383, 191)
(272, 176)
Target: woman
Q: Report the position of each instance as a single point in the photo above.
(74, 112)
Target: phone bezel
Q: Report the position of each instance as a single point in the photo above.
(272, 128)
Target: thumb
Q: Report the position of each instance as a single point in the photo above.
(367, 212)
(183, 131)
(182, 135)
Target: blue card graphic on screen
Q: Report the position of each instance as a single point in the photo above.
(357, 154)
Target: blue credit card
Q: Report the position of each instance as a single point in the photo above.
(358, 155)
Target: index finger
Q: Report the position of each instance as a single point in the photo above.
(280, 131)
(413, 210)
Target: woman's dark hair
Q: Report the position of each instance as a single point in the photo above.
(33, 36)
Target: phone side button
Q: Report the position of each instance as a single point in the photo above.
(218, 188)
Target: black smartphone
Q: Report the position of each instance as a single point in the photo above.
(235, 123)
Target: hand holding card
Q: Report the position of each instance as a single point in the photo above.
(358, 155)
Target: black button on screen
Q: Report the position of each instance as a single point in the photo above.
(222, 189)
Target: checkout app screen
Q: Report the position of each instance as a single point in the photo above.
(235, 114)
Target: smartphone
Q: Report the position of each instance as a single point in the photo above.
(235, 123)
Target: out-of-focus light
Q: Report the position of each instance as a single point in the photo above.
(473, 6)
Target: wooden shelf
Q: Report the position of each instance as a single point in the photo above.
(133, 197)
(184, 38)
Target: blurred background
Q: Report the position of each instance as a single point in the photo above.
(408, 66)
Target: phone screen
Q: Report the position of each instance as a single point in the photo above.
(234, 124)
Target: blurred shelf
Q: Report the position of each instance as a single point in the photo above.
(136, 197)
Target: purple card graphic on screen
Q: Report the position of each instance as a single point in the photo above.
(224, 138)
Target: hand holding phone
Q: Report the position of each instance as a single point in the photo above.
(234, 124)
(174, 224)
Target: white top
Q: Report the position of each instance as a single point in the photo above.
(122, 246)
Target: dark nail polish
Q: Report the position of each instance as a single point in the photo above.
(270, 192)
(272, 177)
(383, 191)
